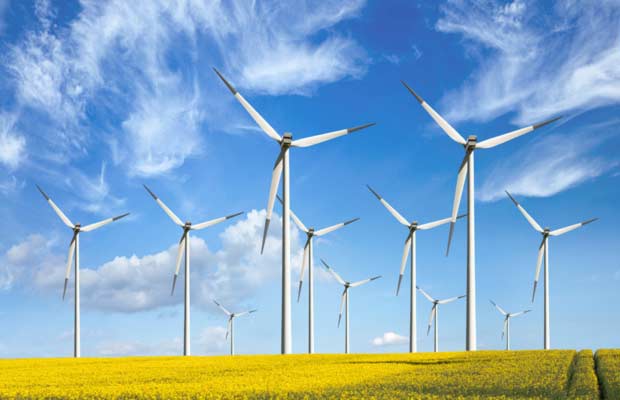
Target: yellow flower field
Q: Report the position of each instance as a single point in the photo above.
(484, 374)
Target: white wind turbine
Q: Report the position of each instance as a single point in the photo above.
(74, 253)
(467, 168)
(435, 314)
(281, 169)
(307, 258)
(410, 246)
(344, 301)
(184, 248)
(230, 326)
(543, 250)
(507, 316)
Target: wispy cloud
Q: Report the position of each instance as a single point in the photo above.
(12, 142)
(139, 67)
(536, 66)
(389, 339)
(559, 162)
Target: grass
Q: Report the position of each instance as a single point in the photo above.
(557, 374)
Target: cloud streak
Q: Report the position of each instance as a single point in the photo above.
(536, 67)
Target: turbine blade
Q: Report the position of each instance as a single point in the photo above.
(527, 216)
(541, 250)
(228, 327)
(450, 300)
(428, 296)
(178, 262)
(99, 224)
(403, 261)
(332, 228)
(458, 193)
(344, 294)
(69, 264)
(498, 308)
(432, 317)
(260, 121)
(221, 307)
(275, 182)
(334, 273)
(365, 281)
(434, 224)
(569, 228)
(297, 221)
(519, 313)
(164, 207)
(312, 140)
(56, 209)
(244, 313)
(505, 326)
(303, 267)
(450, 131)
(497, 140)
(391, 209)
(212, 222)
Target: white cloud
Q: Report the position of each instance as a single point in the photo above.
(559, 162)
(140, 67)
(12, 143)
(273, 46)
(534, 66)
(231, 274)
(389, 339)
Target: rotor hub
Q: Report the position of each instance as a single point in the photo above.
(471, 142)
(287, 139)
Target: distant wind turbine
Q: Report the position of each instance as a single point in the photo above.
(507, 316)
(467, 167)
(281, 169)
(307, 258)
(435, 314)
(230, 326)
(410, 245)
(184, 246)
(74, 252)
(543, 250)
(344, 301)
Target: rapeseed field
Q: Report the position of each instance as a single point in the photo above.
(477, 375)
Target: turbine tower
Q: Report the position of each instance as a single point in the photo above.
(507, 316)
(344, 301)
(230, 325)
(281, 169)
(543, 250)
(410, 246)
(467, 168)
(435, 314)
(74, 253)
(184, 248)
(307, 257)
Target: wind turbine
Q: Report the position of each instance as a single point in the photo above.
(281, 169)
(344, 301)
(74, 253)
(230, 326)
(543, 250)
(307, 257)
(507, 317)
(435, 314)
(467, 168)
(410, 245)
(184, 248)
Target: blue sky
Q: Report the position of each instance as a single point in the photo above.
(101, 97)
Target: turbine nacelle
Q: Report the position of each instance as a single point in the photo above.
(287, 139)
(471, 142)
